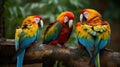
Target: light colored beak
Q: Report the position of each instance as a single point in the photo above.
(70, 23)
(81, 17)
(41, 23)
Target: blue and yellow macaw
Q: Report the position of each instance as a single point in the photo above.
(26, 35)
(92, 33)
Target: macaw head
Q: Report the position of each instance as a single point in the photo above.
(38, 19)
(89, 14)
(66, 18)
(33, 20)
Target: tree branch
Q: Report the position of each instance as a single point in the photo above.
(70, 57)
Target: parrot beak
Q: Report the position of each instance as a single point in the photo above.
(41, 23)
(83, 18)
(70, 23)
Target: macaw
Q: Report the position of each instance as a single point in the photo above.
(92, 33)
(58, 33)
(26, 35)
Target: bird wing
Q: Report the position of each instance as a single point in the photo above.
(83, 37)
(104, 33)
(23, 39)
(25, 36)
(52, 32)
(17, 37)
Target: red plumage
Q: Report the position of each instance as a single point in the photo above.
(60, 31)
(63, 36)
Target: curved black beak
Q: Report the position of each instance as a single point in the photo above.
(83, 18)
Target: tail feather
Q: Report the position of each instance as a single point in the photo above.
(20, 59)
(97, 60)
(95, 53)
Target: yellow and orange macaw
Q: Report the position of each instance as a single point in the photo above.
(26, 36)
(60, 31)
(92, 33)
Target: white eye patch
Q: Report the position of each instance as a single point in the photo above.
(65, 19)
(37, 20)
(86, 14)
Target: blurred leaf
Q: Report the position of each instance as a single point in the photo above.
(56, 2)
(22, 11)
(59, 8)
(50, 1)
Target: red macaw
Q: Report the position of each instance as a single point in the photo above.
(26, 35)
(92, 33)
(60, 31)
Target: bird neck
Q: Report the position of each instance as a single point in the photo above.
(94, 21)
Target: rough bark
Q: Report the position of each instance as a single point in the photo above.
(70, 57)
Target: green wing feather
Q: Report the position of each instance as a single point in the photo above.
(52, 32)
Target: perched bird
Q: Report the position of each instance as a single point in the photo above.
(27, 35)
(58, 33)
(92, 33)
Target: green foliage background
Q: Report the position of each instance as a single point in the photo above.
(17, 10)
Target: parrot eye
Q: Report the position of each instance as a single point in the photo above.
(37, 20)
(65, 19)
(86, 14)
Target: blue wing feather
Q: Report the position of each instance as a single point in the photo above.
(103, 43)
(88, 44)
(16, 44)
(21, 46)
(25, 42)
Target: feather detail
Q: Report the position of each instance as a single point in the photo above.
(52, 32)
(58, 32)
(49, 26)
(93, 33)
(93, 38)
(24, 37)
